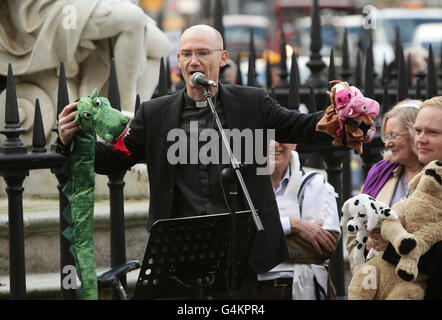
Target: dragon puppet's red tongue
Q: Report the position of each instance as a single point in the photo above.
(119, 142)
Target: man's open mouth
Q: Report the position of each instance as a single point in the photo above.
(192, 72)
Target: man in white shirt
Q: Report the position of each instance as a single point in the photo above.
(310, 221)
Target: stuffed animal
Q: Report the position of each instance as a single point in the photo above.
(347, 103)
(357, 131)
(418, 228)
(362, 105)
(340, 94)
(94, 116)
(361, 214)
(354, 107)
(329, 123)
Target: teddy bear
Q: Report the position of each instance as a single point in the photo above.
(418, 228)
(351, 117)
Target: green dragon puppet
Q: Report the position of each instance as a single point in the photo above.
(95, 115)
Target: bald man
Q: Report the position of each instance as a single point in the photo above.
(192, 187)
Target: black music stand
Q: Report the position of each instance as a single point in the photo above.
(190, 258)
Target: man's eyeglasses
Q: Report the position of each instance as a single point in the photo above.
(200, 54)
(394, 137)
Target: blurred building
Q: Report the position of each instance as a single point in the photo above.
(268, 17)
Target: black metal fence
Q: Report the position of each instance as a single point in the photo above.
(16, 161)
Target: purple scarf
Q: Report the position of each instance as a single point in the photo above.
(377, 176)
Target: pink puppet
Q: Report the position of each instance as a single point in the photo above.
(355, 106)
(342, 96)
(363, 105)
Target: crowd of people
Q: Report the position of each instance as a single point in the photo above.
(298, 209)
(413, 138)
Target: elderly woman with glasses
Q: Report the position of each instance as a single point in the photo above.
(387, 180)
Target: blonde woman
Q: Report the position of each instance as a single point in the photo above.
(387, 180)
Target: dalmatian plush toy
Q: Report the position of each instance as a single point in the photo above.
(361, 214)
(417, 229)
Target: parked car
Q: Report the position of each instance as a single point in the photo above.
(355, 33)
(386, 21)
(383, 24)
(426, 34)
(260, 68)
(332, 32)
(237, 33)
(328, 34)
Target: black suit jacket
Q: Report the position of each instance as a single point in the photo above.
(243, 107)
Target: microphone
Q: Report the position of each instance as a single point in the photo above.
(198, 78)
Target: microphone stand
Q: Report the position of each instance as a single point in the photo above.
(234, 162)
(236, 168)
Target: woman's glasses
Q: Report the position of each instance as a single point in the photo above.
(394, 137)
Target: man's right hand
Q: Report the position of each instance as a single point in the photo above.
(66, 126)
(313, 232)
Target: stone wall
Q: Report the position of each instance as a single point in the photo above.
(42, 239)
(43, 184)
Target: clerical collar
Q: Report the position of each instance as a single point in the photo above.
(198, 104)
(201, 104)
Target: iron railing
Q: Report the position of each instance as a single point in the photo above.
(16, 161)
